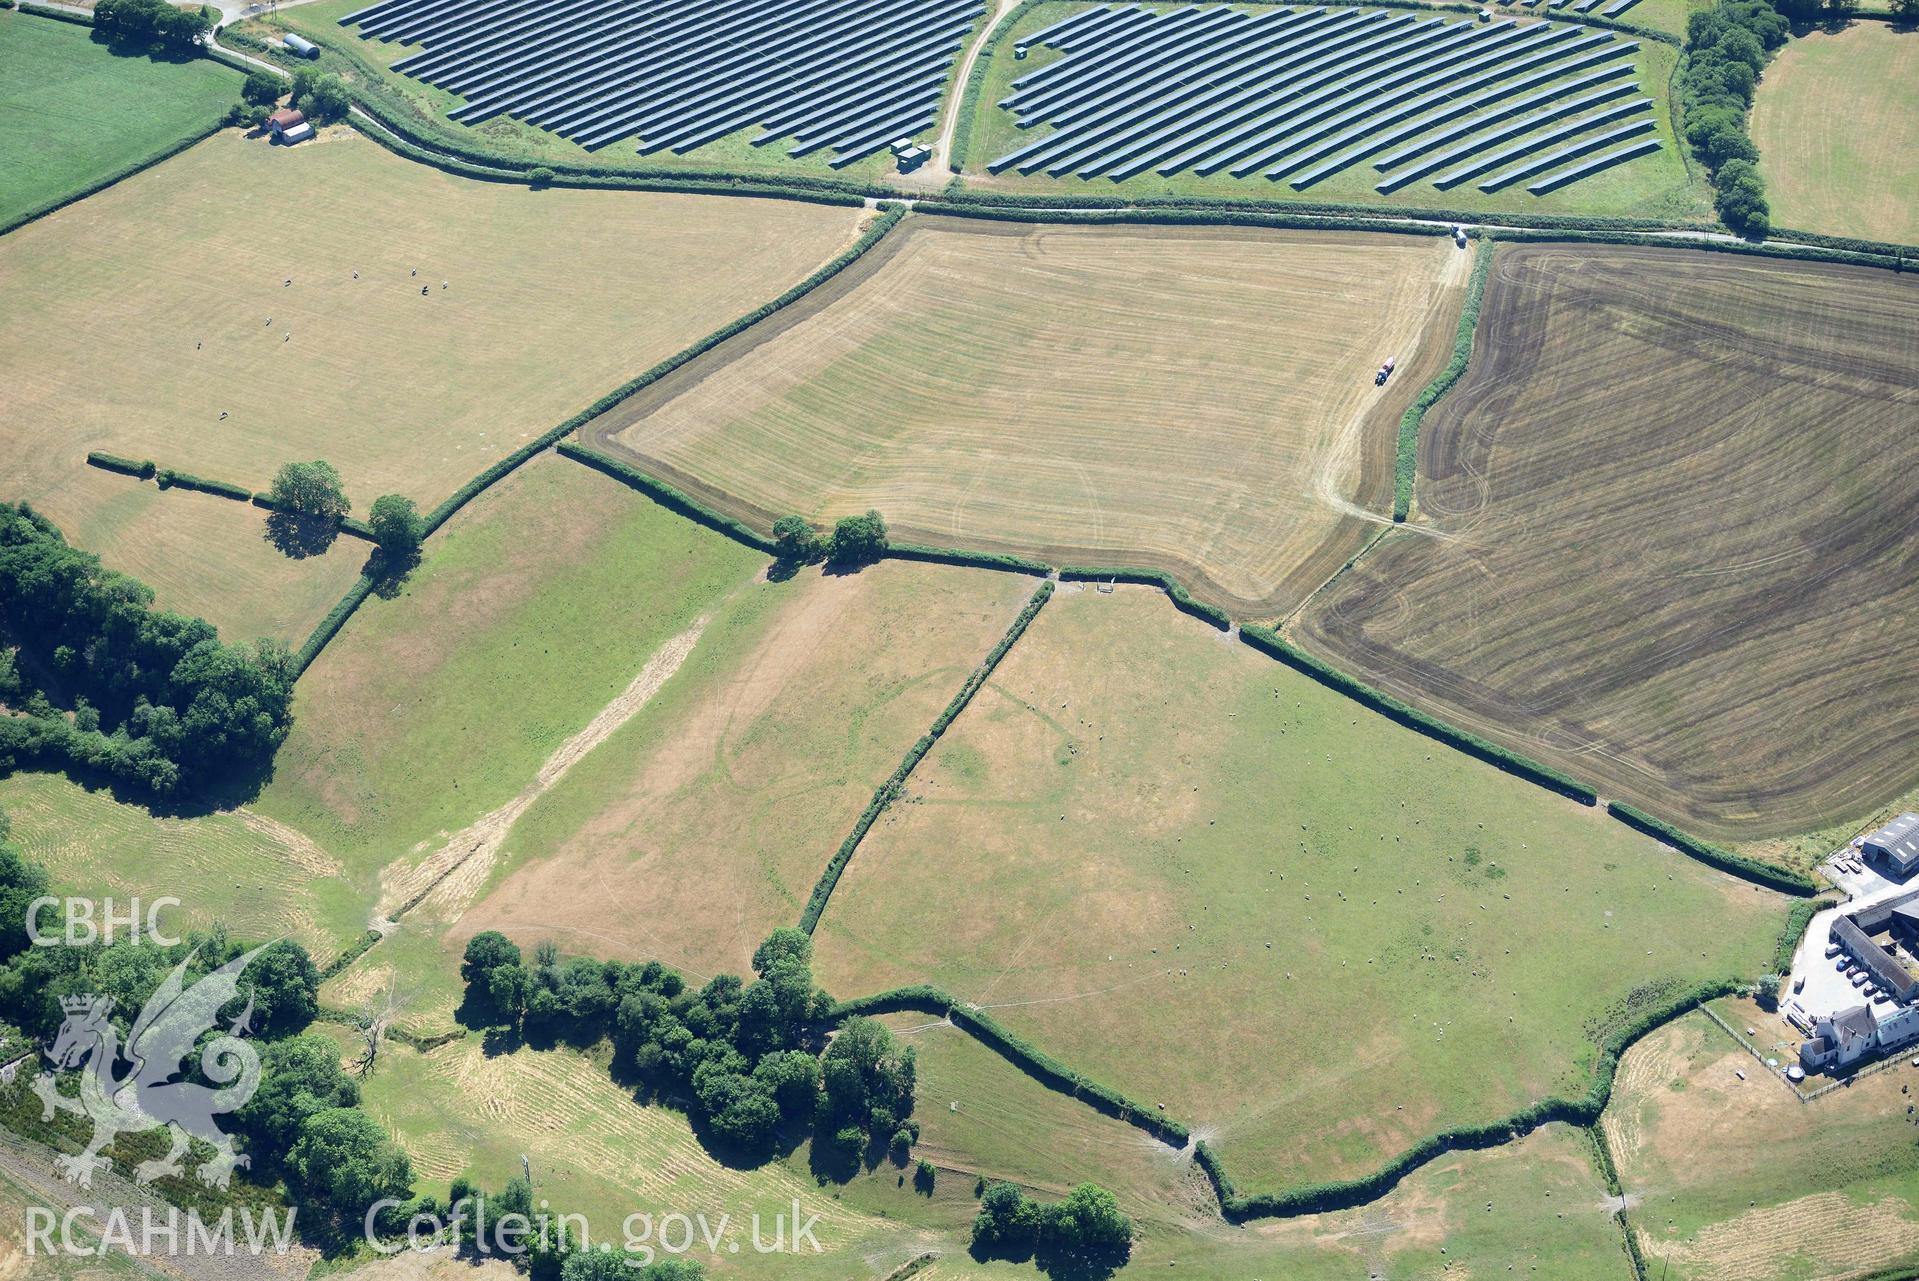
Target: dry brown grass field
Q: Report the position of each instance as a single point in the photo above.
(702, 825)
(1837, 122)
(1197, 400)
(1210, 883)
(135, 319)
(1670, 545)
(1737, 1180)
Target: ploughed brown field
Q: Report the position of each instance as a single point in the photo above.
(1196, 400)
(1669, 536)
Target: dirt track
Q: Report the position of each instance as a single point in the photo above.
(1683, 565)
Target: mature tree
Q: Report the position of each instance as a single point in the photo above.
(21, 882)
(342, 1159)
(1089, 1222)
(283, 985)
(1740, 197)
(868, 1078)
(261, 88)
(859, 539)
(797, 541)
(311, 489)
(397, 525)
(485, 951)
(321, 97)
(300, 1077)
(1906, 11)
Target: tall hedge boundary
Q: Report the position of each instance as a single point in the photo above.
(171, 478)
(967, 559)
(1022, 1054)
(667, 496)
(1406, 465)
(890, 789)
(1318, 1198)
(139, 469)
(1274, 645)
(356, 595)
(1609, 1175)
(1746, 869)
(118, 175)
(1181, 598)
(1798, 917)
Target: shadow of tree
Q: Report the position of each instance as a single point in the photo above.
(299, 536)
(389, 570)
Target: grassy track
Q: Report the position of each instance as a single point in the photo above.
(1655, 186)
(553, 298)
(1837, 124)
(536, 605)
(1680, 602)
(73, 113)
(1741, 1180)
(1104, 395)
(1209, 883)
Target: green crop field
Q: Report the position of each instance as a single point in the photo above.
(1655, 186)
(1836, 121)
(1218, 887)
(74, 113)
(1739, 1179)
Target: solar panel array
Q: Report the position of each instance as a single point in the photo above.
(846, 75)
(1302, 94)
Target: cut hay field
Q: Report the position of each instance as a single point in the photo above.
(536, 607)
(138, 317)
(1195, 400)
(1311, 934)
(73, 113)
(1674, 533)
(1653, 186)
(207, 556)
(1836, 121)
(1739, 1181)
(595, 1151)
(258, 878)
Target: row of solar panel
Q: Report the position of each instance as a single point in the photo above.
(1305, 93)
(849, 75)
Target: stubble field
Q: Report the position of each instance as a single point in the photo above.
(1669, 537)
(1212, 884)
(1195, 400)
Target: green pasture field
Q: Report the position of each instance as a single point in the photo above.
(361, 59)
(1739, 1178)
(702, 824)
(1311, 934)
(1836, 120)
(535, 606)
(73, 112)
(237, 868)
(1655, 186)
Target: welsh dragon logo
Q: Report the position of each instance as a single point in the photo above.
(145, 1094)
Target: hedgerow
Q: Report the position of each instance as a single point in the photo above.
(1022, 1054)
(1316, 1198)
(143, 469)
(669, 497)
(1271, 643)
(1798, 916)
(1201, 216)
(970, 560)
(1406, 468)
(1749, 869)
(336, 618)
(168, 478)
(1182, 599)
(890, 789)
(1802, 253)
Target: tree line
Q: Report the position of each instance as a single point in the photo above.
(744, 1059)
(302, 1129)
(1727, 47)
(92, 676)
(855, 540)
(153, 24)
